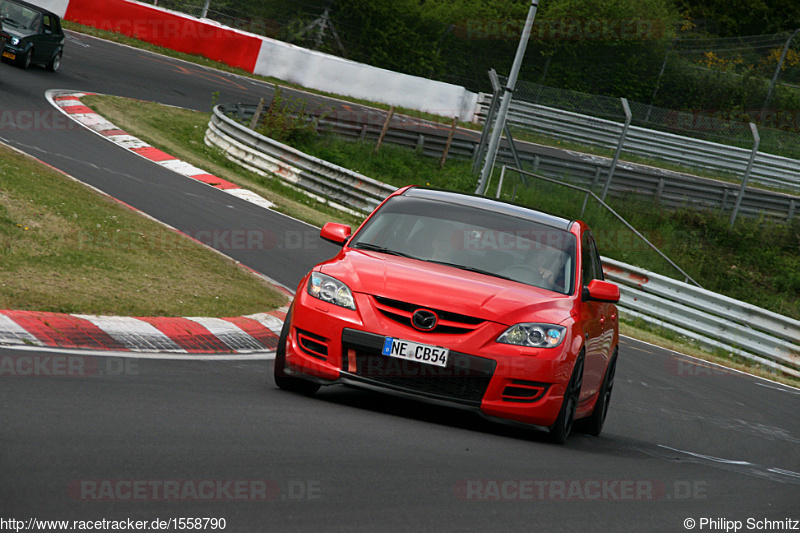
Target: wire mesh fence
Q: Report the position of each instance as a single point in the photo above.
(748, 55)
(701, 124)
(455, 54)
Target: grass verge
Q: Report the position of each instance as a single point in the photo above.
(181, 133)
(68, 249)
(701, 242)
(520, 134)
(756, 261)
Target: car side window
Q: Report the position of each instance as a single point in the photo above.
(598, 263)
(591, 267)
(47, 25)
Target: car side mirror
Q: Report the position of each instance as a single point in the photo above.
(335, 233)
(601, 291)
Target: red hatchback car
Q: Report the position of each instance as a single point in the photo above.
(462, 299)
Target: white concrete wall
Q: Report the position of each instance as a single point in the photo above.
(334, 74)
(59, 7)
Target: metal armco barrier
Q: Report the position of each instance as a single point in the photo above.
(339, 187)
(668, 189)
(712, 320)
(768, 169)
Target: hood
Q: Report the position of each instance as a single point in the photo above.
(447, 288)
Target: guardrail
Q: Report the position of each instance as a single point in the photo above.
(767, 169)
(664, 188)
(668, 189)
(336, 186)
(714, 321)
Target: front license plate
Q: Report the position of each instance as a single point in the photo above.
(9, 55)
(412, 351)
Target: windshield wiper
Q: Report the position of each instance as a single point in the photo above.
(382, 249)
(471, 269)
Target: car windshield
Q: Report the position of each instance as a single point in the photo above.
(17, 15)
(473, 239)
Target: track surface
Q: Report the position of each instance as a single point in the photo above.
(683, 439)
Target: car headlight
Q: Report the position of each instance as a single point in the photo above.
(330, 290)
(14, 41)
(533, 335)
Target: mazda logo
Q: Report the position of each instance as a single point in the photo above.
(423, 319)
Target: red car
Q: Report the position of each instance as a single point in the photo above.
(464, 299)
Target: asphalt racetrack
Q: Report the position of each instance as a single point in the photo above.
(687, 445)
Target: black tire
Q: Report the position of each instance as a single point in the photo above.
(24, 61)
(562, 427)
(289, 383)
(54, 63)
(593, 425)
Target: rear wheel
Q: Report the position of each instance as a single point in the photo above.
(54, 63)
(594, 424)
(560, 430)
(283, 381)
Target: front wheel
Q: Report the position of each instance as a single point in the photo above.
(560, 430)
(593, 425)
(24, 61)
(289, 383)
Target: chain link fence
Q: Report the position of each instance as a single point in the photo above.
(698, 125)
(457, 48)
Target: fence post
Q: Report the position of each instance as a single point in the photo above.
(487, 123)
(384, 129)
(257, 115)
(611, 170)
(205, 10)
(449, 142)
(505, 103)
(778, 69)
(756, 141)
(659, 191)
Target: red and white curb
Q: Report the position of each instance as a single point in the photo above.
(180, 335)
(69, 103)
(252, 334)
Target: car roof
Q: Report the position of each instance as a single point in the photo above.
(33, 7)
(489, 204)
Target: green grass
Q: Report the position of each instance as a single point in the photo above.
(65, 248)
(181, 132)
(519, 134)
(756, 261)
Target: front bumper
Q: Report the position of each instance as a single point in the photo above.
(11, 52)
(329, 344)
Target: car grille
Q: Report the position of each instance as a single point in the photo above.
(463, 380)
(449, 323)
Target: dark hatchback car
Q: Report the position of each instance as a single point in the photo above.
(30, 34)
